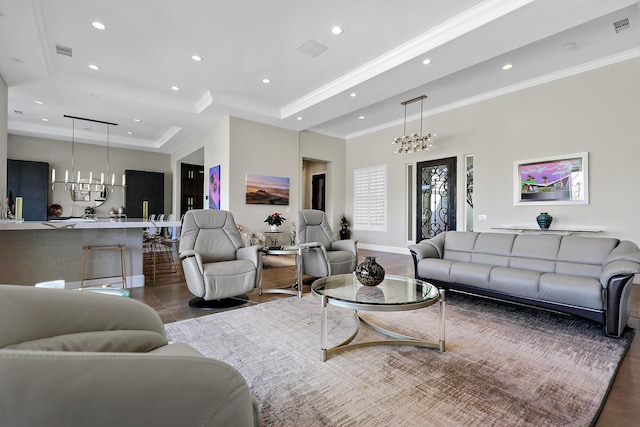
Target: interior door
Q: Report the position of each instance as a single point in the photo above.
(318, 192)
(191, 187)
(436, 199)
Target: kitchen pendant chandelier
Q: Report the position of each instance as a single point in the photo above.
(414, 142)
(81, 183)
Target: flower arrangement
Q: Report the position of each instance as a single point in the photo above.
(275, 219)
(344, 221)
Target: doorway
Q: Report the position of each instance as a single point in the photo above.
(318, 192)
(191, 184)
(436, 197)
(315, 190)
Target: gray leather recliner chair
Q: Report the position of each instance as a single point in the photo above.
(71, 358)
(330, 256)
(215, 261)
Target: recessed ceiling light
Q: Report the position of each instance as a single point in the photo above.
(427, 61)
(336, 31)
(136, 120)
(353, 94)
(94, 67)
(39, 102)
(98, 25)
(196, 58)
(45, 120)
(507, 67)
(569, 46)
(175, 88)
(129, 133)
(361, 118)
(266, 81)
(299, 118)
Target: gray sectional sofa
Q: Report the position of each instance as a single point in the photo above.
(589, 277)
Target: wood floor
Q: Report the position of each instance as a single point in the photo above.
(169, 296)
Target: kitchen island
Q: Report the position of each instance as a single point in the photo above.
(35, 251)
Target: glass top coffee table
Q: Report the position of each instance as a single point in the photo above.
(395, 293)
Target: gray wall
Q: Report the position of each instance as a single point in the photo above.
(596, 111)
(260, 149)
(244, 147)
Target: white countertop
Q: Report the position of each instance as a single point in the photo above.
(78, 223)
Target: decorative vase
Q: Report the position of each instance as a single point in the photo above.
(369, 272)
(274, 227)
(544, 220)
(345, 233)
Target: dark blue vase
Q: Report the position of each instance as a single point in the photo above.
(544, 220)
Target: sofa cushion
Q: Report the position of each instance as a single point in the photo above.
(584, 256)
(470, 274)
(567, 289)
(459, 246)
(494, 243)
(535, 252)
(435, 268)
(515, 281)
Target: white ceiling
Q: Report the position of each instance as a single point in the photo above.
(147, 46)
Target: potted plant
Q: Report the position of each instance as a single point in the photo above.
(345, 233)
(275, 220)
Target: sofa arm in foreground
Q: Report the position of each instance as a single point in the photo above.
(120, 389)
(71, 358)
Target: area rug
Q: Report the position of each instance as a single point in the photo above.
(504, 365)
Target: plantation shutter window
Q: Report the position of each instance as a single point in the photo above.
(370, 198)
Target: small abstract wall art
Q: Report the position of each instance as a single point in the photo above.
(267, 190)
(214, 187)
(557, 180)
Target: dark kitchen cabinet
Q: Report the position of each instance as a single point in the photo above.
(29, 180)
(143, 186)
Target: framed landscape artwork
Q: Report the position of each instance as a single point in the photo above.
(214, 187)
(557, 180)
(267, 190)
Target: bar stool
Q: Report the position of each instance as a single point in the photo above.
(123, 263)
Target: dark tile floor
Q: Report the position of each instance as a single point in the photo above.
(169, 296)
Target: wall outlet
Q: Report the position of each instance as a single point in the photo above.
(482, 217)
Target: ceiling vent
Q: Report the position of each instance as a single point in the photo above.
(621, 25)
(312, 48)
(64, 50)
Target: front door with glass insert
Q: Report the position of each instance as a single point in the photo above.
(436, 200)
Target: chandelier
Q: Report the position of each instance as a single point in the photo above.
(414, 142)
(82, 183)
